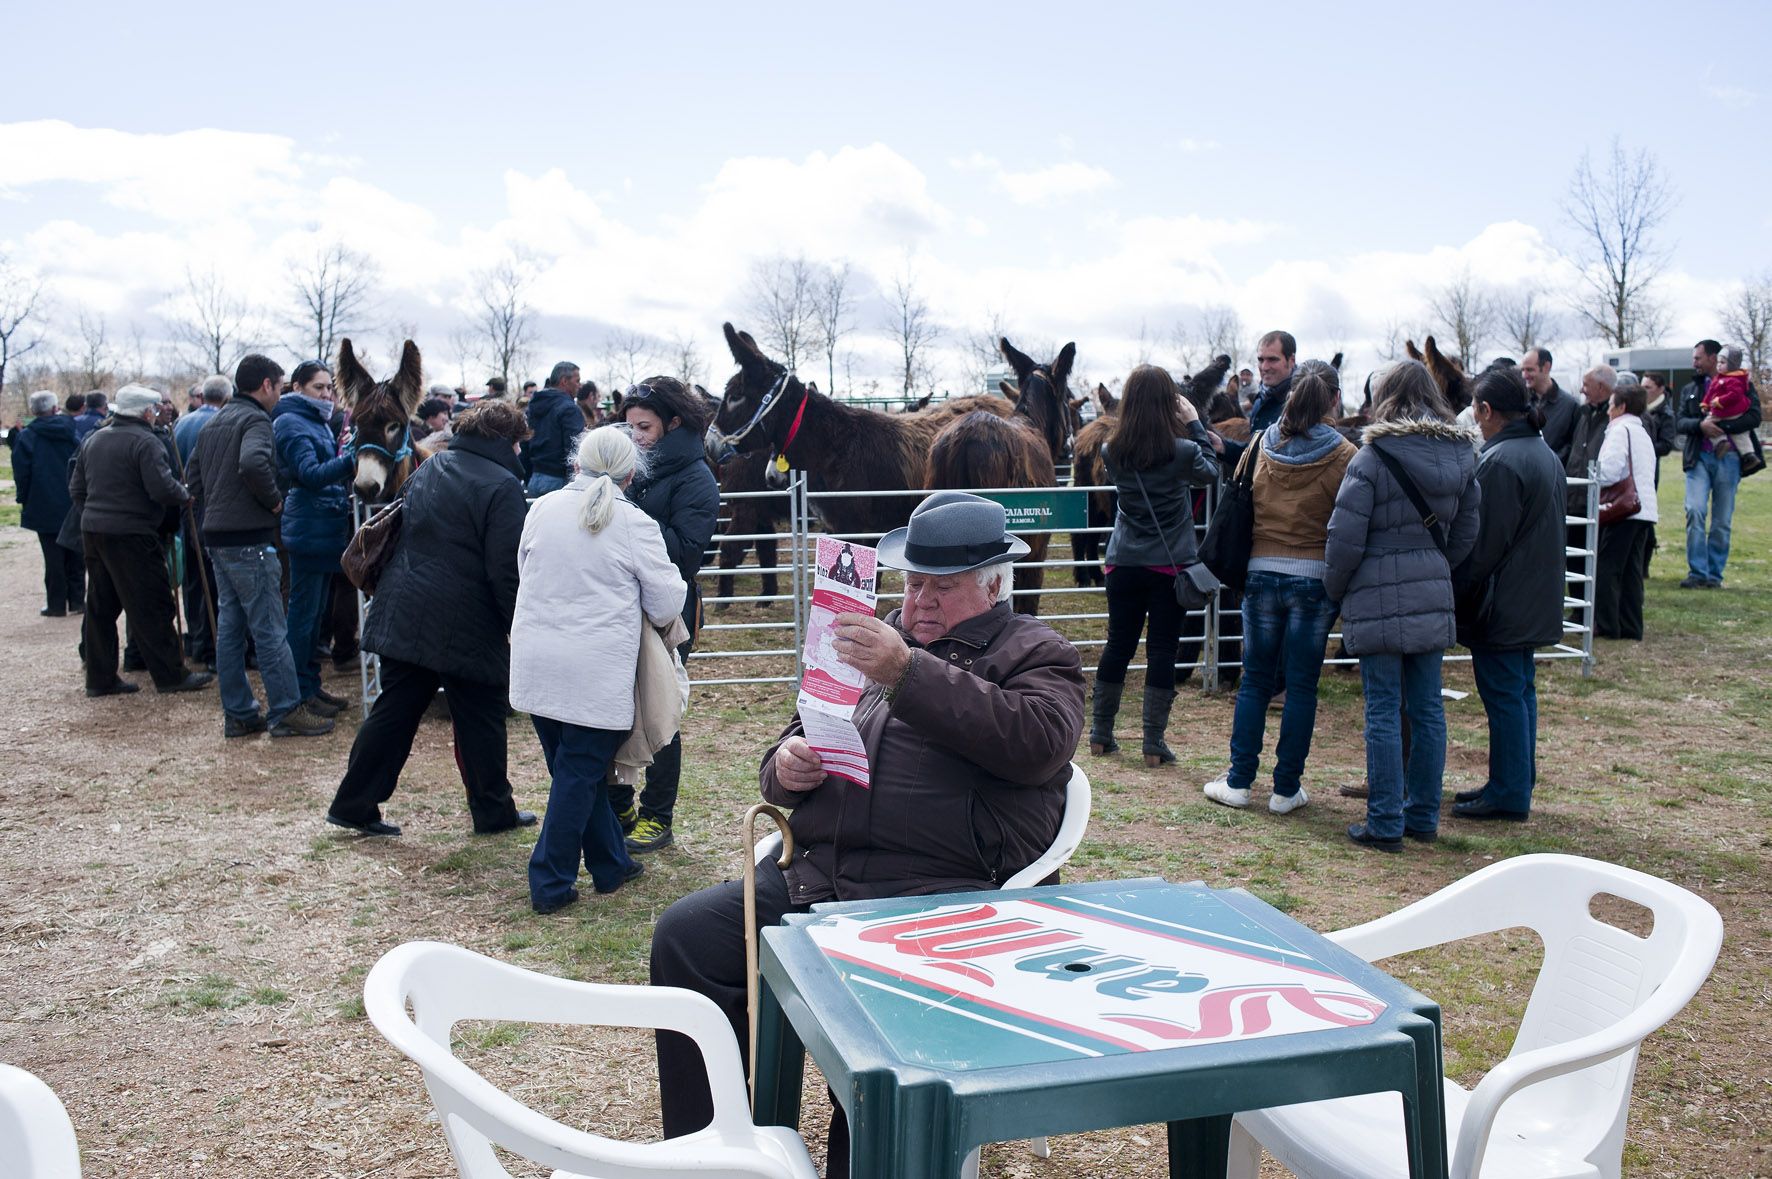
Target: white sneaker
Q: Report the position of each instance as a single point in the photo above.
(1279, 804)
(1220, 791)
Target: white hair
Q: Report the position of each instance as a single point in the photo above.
(607, 457)
(1625, 376)
(43, 402)
(1605, 374)
(216, 389)
(1003, 573)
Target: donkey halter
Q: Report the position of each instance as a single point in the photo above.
(394, 456)
(763, 408)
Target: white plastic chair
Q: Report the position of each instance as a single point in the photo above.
(1556, 1106)
(446, 984)
(1077, 803)
(36, 1137)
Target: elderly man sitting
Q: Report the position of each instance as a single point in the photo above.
(970, 719)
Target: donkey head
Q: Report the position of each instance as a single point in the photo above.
(759, 404)
(381, 416)
(1200, 387)
(1448, 374)
(1106, 404)
(1045, 392)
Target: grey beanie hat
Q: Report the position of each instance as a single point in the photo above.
(951, 532)
(135, 401)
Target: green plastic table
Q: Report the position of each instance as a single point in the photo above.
(945, 1022)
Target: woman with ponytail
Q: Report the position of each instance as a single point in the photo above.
(594, 570)
(1510, 589)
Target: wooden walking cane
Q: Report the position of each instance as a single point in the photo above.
(784, 862)
(202, 570)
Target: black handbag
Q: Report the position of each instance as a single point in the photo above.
(1231, 536)
(1194, 584)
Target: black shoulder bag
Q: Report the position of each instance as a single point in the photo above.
(1194, 584)
(1429, 521)
(1230, 538)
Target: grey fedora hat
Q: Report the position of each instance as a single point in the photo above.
(951, 532)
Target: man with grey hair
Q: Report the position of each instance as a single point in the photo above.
(199, 585)
(40, 457)
(121, 487)
(1588, 431)
(555, 424)
(93, 416)
(213, 393)
(970, 717)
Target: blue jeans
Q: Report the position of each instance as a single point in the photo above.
(309, 595)
(247, 598)
(1506, 680)
(540, 484)
(579, 822)
(1286, 622)
(1710, 484)
(1391, 681)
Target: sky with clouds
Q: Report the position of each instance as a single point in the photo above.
(1098, 173)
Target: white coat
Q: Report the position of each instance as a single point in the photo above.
(1628, 450)
(581, 601)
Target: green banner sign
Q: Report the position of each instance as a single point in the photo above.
(1045, 510)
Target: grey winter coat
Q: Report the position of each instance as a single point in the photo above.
(1139, 536)
(1393, 585)
(122, 482)
(1510, 587)
(233, 474)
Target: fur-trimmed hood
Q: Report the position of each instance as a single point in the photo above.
(1424, 428)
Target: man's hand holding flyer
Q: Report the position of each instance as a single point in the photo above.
(842, 583)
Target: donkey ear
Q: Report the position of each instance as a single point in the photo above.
(1413, 351)
(744, 349)
(1061, 368)
(1335, 362)
(1020, 363)
(1009, 391)
(409, 382)
(353, 379)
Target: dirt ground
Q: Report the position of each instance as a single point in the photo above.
(183, 941)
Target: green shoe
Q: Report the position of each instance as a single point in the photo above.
(628, 818)
(648, 836)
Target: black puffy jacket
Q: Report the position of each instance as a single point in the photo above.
(454, 568)
(1510, 589)
(682, 495)
(40, 458)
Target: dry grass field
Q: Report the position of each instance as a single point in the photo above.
(183, 941)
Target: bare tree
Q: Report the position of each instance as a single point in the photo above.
(212, 323)
(685, 359)
(783, 297)
(627, 355)
(1396, 331)
(1208, 333)
(1525, 322)
(21, 301)
(93, 365)
(832, 303)
(1463, 313)
(913, 328)
(135, 356)
(505, 321)
(1747, 320)
(1616, 213)
(979, 355)
(334, 291)
(464, 345)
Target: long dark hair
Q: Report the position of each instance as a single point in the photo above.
(1150, 420)
(1316, 392)
(1408, 392)
(668, 398)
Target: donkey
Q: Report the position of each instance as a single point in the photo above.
(767, 409)
(750, 517)
(1021, 450)
(1446, 371)
(381, 422)
(1087, 471)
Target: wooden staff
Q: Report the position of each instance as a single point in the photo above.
(784, 862)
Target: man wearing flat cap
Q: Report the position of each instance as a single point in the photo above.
(970, 718)
(121, 487)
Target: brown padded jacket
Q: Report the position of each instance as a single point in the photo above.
(1293, 502)
(968, 763)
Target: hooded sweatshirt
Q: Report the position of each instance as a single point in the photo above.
(1295, 484)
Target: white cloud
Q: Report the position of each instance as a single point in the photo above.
(1189, 146)
(1038, 186)
(1735, 97)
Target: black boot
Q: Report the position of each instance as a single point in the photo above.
(1157, 702)
(1104, 707)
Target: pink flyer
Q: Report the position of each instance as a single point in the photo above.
(842, 583)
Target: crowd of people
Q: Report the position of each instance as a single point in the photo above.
(546, 561)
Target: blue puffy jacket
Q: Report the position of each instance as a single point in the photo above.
(315, 479)
(555, 422)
